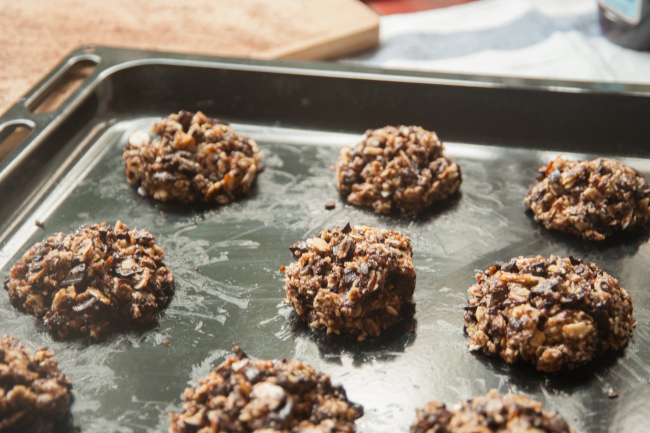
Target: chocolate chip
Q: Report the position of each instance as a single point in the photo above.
(75, 276)
(363, 269)
(349, 276)
(603, 171)
(346, 250)
(299, 248)
(143, 237)
(545, 286)
(511, 266)
(498, 296)
(574, 261)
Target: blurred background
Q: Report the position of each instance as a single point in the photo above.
(558, 39)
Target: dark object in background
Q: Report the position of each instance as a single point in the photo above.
(626, 22)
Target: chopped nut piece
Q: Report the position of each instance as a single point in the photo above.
(330, 205)
(556, 313)
(354, 284)
(318, 244)
(396, 168)
(578, 330)
(612, 394)
(194, 159)
(92, 280)
(592, 199)
(34, 394)
(139, 139)
(494, 412)
(248, 396)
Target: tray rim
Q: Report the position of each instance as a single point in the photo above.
(111, 60)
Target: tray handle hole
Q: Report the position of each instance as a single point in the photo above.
(11, 136)
(53, 96)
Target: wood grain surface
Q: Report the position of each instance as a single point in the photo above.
(36, 34)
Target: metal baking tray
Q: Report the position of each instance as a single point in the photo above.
(228, 289)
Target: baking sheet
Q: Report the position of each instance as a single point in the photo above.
(129, 382)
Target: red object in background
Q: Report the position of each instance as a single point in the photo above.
(389, 7)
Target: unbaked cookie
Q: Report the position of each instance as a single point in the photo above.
(555, 313)
(510, 413)
(351, 281)
(34, 394)
(396, 168)
(193, 159)
(592, 199)
(91, 280)
(243, 395)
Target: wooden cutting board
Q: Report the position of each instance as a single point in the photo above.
(36, 34)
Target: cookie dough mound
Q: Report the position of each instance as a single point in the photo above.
(351, 281)
(92, 280)
(193, 159)
(247, 396)
(555, 312)
(34, 394)
(592, 199)
(510, 413)
(396, 168)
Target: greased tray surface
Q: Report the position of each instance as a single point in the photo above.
(229, 289)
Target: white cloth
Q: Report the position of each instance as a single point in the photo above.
(558, 39)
